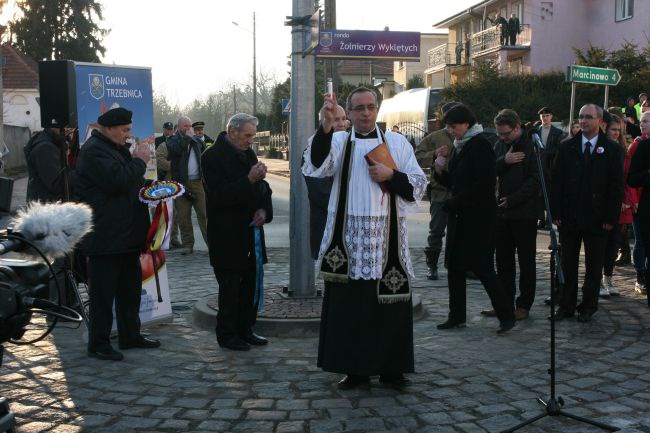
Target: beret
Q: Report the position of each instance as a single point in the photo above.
(115, 117)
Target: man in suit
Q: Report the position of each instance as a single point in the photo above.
(586, 195)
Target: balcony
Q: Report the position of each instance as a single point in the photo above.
(445, 55)
(488, 41)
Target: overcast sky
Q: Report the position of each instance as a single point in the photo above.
(194, 49)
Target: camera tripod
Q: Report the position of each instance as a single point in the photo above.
(554, 405)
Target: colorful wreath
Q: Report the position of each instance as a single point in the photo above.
(161, 191)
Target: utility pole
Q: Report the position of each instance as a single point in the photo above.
(301, 265)
(254, 68)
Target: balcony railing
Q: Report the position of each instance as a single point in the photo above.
(490, 40)
(447, 54)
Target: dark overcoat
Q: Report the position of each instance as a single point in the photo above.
(231, 202)
(639, 177)
(519, 182)
(586, 195)
(471, 180)
(109, 180)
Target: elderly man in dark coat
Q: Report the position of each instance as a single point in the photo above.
(238, 205)
(109, 179)
(470, 176)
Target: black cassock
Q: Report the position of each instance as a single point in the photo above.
(358, 335)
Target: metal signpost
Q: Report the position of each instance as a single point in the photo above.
(589, 75)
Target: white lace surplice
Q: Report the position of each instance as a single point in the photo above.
(366, 226)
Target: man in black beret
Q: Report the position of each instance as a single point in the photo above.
(109, 178)
(198, 128)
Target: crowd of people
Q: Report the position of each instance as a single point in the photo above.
(108, 172)
(484, 192)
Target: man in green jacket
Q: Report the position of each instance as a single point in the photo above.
(437, 195)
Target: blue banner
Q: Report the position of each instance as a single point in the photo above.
(102, 87)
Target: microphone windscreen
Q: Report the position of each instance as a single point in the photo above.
(55, 228)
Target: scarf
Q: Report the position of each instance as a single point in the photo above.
(471, 132)
(394, 284)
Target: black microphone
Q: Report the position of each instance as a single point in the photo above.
(54, 228)
(537, 141)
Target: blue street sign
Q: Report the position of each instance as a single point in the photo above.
(286, 107)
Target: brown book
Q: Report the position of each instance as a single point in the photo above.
(382, 155)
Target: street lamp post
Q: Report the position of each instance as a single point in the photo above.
(254, 62)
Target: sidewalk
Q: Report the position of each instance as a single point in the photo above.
(466, 380)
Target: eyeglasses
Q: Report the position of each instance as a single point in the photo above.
(504, 134)
(586, 117)
(615, 129)
(362, 108)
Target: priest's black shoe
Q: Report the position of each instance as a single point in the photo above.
(451, 324)
(395, 381)
(255, 340)
(235, 343)
(561, 314)
(352, 381)
(140, 343)
(505, 326)
(584, 317)
(109, 354)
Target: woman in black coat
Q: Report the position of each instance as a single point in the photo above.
(470, 177)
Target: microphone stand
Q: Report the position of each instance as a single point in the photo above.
(554, 405)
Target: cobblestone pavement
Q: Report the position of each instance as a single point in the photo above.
(467, 380)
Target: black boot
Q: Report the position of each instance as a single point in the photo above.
(432, 264)
(625, 256)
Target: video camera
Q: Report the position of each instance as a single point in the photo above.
(46, 230)
(50, 231)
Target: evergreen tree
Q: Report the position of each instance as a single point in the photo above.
(59, 29)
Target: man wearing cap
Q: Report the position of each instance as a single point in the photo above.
(184, 151)
(437, 194)
(168, 131)
(551, 138)
(199, 133)
(109, 179)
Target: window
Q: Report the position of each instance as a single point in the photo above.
(516, 66)
(624, 9)
(518, 9)
(547, 11)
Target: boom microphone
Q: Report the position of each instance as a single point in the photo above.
(54, 228)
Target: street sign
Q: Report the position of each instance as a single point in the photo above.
(286, 107)
(587, 74)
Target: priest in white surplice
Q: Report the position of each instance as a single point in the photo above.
(367, 318)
